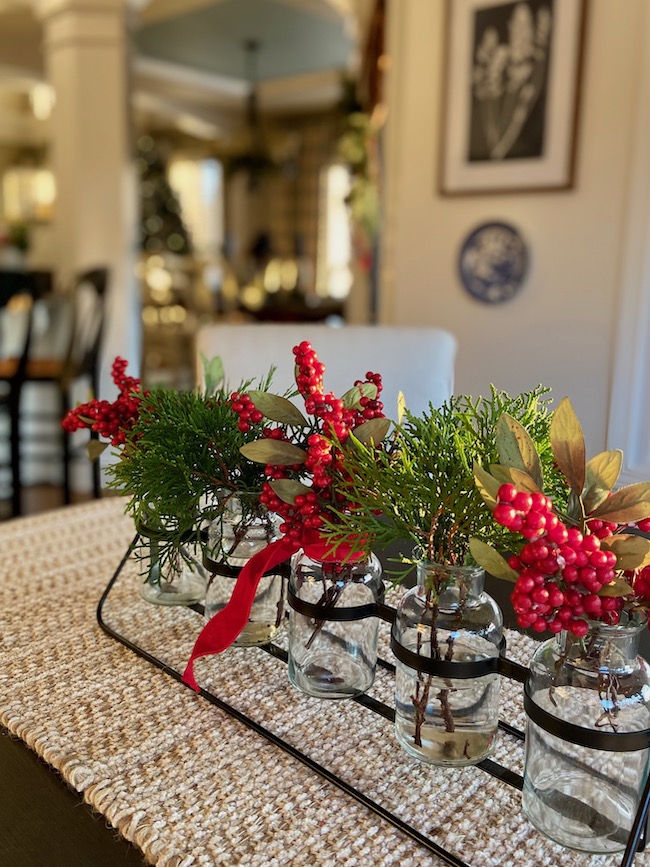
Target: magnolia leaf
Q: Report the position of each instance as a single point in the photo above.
(351, 398)
(568, 444)
(288, 489)
(487, 485)
(277, 452)
(521, 480)
(516, 448)
(618, 587)
(372, 431)
(95, 448)
(632, 551)
(601, 474)
(401, 406)
(628, 504)
(277, 408)
(213, 373)
(491, 560)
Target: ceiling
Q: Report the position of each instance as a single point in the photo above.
(189, 67)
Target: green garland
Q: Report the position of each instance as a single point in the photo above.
(420, 489)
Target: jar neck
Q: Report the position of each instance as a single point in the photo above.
(452, 585)
(610, 647)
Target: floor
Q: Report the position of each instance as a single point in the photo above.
(41, 498)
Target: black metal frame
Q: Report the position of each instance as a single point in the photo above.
(504, 666)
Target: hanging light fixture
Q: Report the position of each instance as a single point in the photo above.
(253, 156)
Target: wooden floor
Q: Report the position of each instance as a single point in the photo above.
(41, 498)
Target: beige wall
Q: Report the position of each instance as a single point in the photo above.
(560, 329)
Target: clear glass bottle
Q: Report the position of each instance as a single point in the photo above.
(178, 579)
(446, 617)
(233, 538)
(583, 797)
(333, 658)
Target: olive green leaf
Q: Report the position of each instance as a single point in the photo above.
(95, 448)
(372, 431)
(568, 445)
(401, 406)
(491, 560)
(601, 474)
(268, 451)
(632, 551)
(516, 448)
(487, 485)
(288, 489)
(351, 398)
(213, 373)
(628, 504)
(618, 587)
(520, 479)
(277, 408)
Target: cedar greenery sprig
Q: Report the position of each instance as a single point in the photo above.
(421, 487)
(182, 464)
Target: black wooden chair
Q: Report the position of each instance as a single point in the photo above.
(85, 309)
(17, 291)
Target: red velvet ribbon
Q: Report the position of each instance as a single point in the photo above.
(223, 628)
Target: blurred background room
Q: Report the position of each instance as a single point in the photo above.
(289, 161)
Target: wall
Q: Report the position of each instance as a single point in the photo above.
(560, 329)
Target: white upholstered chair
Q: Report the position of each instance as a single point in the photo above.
(417, 361)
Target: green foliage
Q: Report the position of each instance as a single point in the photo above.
(421, 487)
(182, 463)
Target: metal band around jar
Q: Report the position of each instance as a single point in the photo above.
(217, 567)
(617, 742)
(446, 667)
(340, 615)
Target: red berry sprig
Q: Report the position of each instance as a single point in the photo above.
(561, 570)
(331, 426)
(110, 420)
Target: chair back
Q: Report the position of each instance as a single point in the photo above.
(88, 306)
(416, 361)
(16, 320)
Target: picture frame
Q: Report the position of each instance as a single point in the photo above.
(511, 95)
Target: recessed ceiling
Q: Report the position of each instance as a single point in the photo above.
(293, 40)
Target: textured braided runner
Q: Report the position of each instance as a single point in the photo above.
(188, 783)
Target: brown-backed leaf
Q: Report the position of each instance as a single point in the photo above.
(631, 503)
(289, 489)
(519, 478)
(95, 448)
(351, 398)
(268, 451)
(401, 406)
(516, 448)
(491, 560)
(632, 551)
(372, 431)
(601, 474)
(277, 408)
(487, 485)
(568, 444)
(618, 587)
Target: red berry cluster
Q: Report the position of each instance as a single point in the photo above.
(332, 425)
(245, 409)
(641, 583)
(110, 420)
(561, 570)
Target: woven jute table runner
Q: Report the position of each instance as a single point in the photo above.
(185, 781)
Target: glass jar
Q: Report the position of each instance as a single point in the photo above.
(233, 538)
(333, 657)
(176, 579)
(446, 711)
(583, 784)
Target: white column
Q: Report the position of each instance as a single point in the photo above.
(86, 59)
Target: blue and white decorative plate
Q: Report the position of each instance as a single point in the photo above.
(493, 262)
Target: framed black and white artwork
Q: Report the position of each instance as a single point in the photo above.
(511, 92)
